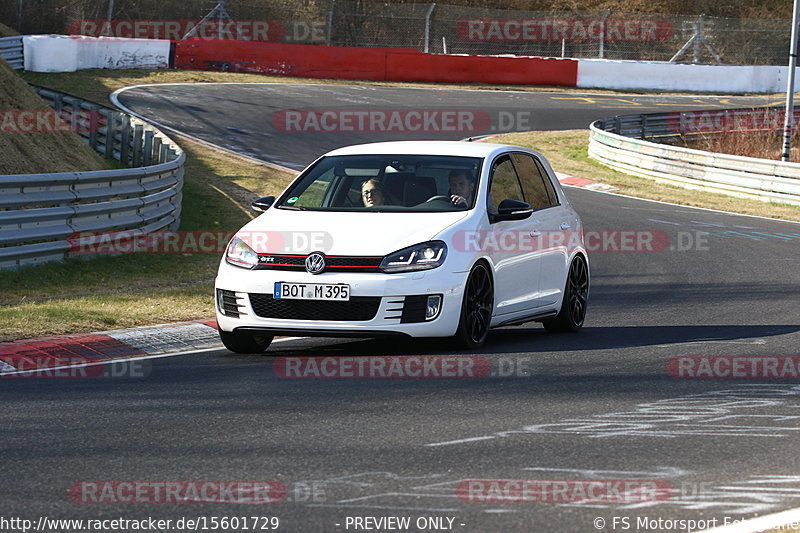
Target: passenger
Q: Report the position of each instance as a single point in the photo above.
(372, 193)
(462, 187)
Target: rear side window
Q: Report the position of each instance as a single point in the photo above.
(548, 184)
(536, 183)
(533, 183)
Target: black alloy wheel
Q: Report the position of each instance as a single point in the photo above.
(476, 308)
(576, 296)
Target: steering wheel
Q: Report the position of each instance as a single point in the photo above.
(438, 197)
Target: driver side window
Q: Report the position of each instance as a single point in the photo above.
(504, 183)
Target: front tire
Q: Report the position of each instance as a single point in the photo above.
(476, 308)
(245, 342)
(573, 304)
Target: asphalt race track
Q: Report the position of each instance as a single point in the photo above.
(602, 406)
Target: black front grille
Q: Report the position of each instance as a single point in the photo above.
(333, 263)
(359, 308)
(414, 309)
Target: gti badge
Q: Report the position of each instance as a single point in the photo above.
(315, 263)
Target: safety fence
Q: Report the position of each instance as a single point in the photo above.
(11, 51)
(428, 27)
(628, 144)
(42, 216)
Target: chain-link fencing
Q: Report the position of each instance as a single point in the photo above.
(431, 27)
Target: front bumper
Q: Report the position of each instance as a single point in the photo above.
(394, 298)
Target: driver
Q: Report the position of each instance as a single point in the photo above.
(462, 187)
(372, 193)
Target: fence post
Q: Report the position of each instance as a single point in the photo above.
(603, 18)
(428, 28)
(330, 22)
(19, 18)
(698, 31)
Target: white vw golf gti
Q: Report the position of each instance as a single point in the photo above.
(422, 239)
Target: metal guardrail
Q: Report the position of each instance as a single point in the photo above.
(11, 51)
(42, 214)
(622, 144)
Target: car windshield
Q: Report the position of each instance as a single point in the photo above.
(386, 183)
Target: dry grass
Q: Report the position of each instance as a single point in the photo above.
(747, 144)
(568, 153)
(37, 152)
(5, 31)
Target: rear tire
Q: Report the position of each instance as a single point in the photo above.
(245, 342)
(476, 308)
(573, 304)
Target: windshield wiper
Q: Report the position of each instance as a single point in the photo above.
(292, 207)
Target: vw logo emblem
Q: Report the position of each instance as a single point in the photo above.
(315, 263)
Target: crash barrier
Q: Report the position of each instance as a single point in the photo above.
(664, 76)
(59, 53)
(42, 215)
(380, 64)
(621, 143)
(62, 53)
(11, 51)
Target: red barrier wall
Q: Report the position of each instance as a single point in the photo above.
(381, 64)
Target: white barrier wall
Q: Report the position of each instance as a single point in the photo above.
(663, 76)
(61, 53)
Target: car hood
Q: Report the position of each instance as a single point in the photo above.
(281, 231)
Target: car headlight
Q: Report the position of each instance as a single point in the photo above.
(418, 257)
(240, 254)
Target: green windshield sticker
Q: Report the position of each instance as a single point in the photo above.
(292, 200)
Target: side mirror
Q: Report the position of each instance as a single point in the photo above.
(511, 210)
(262, 204)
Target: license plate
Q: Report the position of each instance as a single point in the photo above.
(311, 291)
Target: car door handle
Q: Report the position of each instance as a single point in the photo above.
(535, 233)
(564, 225)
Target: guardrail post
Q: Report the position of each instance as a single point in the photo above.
(125, 140)
(93, 125)
(156, 151)
(147, 151)
(111, 121)
(138, 130)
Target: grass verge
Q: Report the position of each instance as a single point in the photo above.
(568, 153)
(82, 295)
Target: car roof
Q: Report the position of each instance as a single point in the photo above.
(453, 148)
